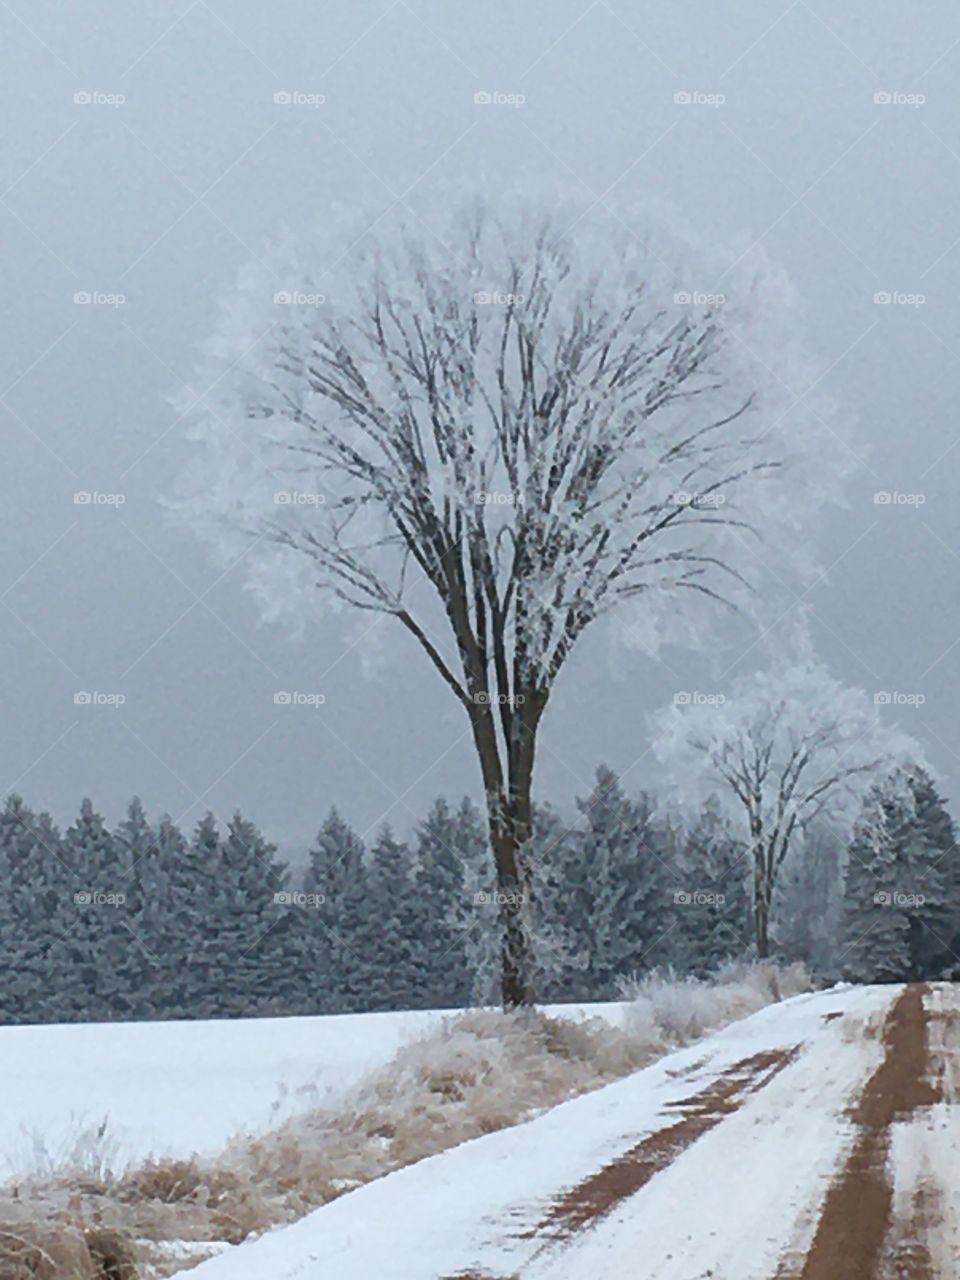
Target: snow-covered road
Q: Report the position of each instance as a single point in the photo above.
(812, 1140)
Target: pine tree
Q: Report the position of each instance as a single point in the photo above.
(713, 905)
(392, 951)
(621, 896)
(875, 933)
(93, 953)
(34, 913)
(930, 873)
(337, 872)
(809, 903)
(259, 938)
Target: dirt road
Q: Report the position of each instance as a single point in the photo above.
(817, 1140)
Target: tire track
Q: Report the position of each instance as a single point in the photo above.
(591, 1200)
(855, 1219)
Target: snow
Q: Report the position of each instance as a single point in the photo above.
(179, 1087)
(175, 1088)
(467, 1208)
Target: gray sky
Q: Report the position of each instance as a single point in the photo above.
(161, 197)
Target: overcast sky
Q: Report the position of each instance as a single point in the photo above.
(178, 169)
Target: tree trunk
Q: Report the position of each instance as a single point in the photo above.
(509, 817)
(762, 922)
(761, 905)
(517, 979)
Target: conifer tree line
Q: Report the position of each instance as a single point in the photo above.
(147, 921)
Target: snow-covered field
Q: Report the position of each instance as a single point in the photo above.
(175, 1088)
(172, 1088)
(760, 1151)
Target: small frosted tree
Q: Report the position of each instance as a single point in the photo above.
(498, 433)
(785, 749)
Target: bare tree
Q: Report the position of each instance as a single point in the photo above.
(787, 750)
(497, 437)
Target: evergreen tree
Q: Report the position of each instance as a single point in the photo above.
(337, 872)
(259, 939)
(930, 873)
(713, 907)
(93, 953)
(34, 913)
(875, 933)
(618, 869)
(392, 950)
(808, 907)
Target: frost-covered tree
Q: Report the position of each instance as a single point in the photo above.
(711, 898)
(336, 873)
(805, 914)
(497, 433)
(455, 927)
(904, 849)
(393, 951)
(785, 749)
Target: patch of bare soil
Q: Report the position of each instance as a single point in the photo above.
(855, 1218)
(594, 1197)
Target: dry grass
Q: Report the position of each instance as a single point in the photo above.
(477, 1073)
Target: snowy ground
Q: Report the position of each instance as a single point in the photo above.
(819, 1131)
(174, 1088)
(178, 1087)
